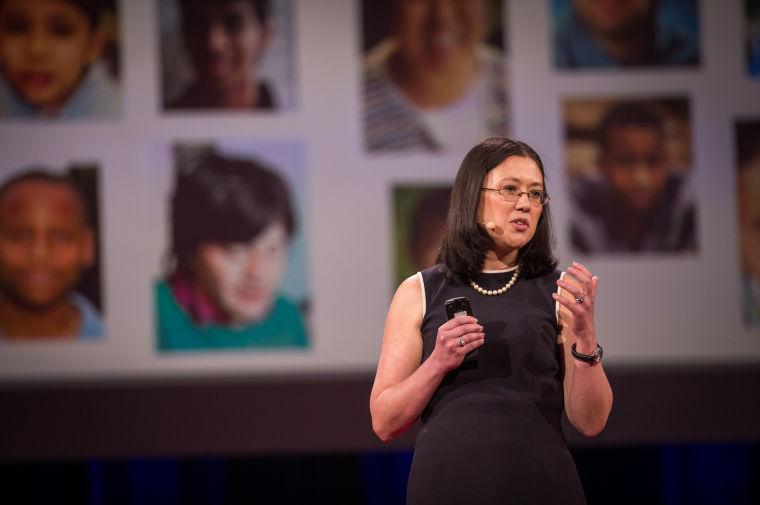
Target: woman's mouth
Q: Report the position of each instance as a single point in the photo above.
(520, 224)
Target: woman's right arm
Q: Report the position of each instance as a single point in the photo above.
(403, 386)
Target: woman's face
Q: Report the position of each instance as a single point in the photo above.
(242, 278)
(516, 222)
(435, 33)
(45, 46)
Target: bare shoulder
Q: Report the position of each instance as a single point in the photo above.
(408, 298)
(405, 313)
(401, 350)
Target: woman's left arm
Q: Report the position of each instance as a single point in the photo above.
(588, 396)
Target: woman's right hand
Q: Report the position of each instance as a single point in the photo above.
(449, 351)
(404, 383)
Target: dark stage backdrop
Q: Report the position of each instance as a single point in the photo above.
(331, 414)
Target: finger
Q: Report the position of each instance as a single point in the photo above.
(473, 344)
(580, 272)
(463, 330)
(470, 337)
(459, 342)
(588, 279)
(572, 279)
(458, 321)
(575, 308)
(571, 288)
(456, 338)
(582, 268)
(580, 279)
(594, 284)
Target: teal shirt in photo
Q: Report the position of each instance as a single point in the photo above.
(283, 327)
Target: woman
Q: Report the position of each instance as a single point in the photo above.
(491, 425)
(433, 79)
(50, 52)
(232, 223)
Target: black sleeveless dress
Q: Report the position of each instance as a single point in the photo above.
(491, 433)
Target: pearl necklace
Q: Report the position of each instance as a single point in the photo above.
(501, 290)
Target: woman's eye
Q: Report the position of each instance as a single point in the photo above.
(511, 190)
(535, 194)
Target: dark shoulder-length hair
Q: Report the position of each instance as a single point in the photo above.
(465, 242)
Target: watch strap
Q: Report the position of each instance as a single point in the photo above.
(592, 359)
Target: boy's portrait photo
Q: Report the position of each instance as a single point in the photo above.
(227, 55)
(233, 273)
(49, 268)
(625, 34)
(59, 59)
(629, 164)
(748, 209)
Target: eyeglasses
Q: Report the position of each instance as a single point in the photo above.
(511, 193)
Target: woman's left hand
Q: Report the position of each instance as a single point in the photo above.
(582, 288)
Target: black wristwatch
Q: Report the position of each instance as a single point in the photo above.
(592, 359)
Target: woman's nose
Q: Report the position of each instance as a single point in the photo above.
(523, 202)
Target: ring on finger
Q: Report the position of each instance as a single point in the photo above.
(580, 298)
(461, 341)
